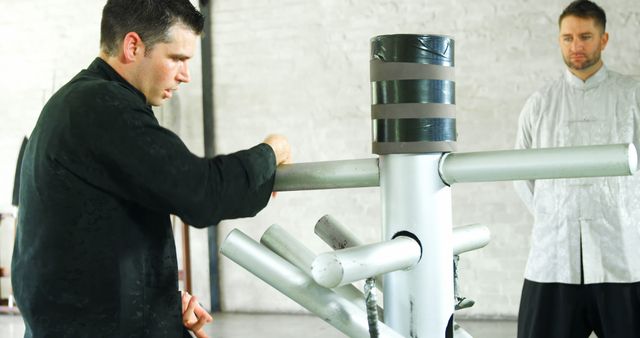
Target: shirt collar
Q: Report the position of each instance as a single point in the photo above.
(107, 72)
(593, 81)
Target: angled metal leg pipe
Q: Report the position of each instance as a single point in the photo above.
(336, 235)
(296, 253)
(291, 281)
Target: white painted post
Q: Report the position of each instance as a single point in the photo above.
(413, 121)
(418, 302)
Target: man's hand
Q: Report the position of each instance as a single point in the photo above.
(280, 147)
(194, 317)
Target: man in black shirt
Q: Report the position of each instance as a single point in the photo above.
(94, 254)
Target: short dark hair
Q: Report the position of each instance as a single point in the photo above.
(151, 19)
(585, 9)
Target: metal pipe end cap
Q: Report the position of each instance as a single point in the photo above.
(327, 270)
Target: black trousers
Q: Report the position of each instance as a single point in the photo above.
(556, 310)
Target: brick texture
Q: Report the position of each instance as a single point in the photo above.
(301, 68)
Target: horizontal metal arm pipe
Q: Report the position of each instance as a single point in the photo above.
(288, 247)
(345, 266)
(470, 237)
(541, 163)
(327, 175)
(295, 284)
(338, 236)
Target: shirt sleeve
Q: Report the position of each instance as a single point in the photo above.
(525, 189)
(636, 119)
(121, 149)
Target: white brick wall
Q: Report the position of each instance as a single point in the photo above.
(301, 68)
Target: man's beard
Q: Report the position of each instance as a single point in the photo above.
(588, 62)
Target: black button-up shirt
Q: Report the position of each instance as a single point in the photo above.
(94, 254)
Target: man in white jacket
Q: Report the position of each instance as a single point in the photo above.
(583, 271)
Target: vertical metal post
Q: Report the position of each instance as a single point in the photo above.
(413, 112)
(418, 302)
(209, 141)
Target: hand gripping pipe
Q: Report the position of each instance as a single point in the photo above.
(291, 281)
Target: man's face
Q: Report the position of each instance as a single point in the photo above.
(166, 66)
(581, 42)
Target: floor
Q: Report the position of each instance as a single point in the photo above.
(271, 326)
(234, 325)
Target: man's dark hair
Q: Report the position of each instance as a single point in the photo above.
(585, 9)
(151, 19)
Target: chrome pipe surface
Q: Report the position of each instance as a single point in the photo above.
(335, 234)
(327, 175)
(345, 266)
(293, 251)
(541, 163)
(295, 284)
(338, 236)
(419, 301)
(470, 237)
(288, 247)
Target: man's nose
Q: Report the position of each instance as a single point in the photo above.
(577, 45)
(183, 73)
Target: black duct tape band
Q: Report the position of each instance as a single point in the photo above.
(427, 49)
(413, 147)
(412, 110)
(409, 71)
(414, 130)
(413, 91)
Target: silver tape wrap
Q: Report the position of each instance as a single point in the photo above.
(412, 94)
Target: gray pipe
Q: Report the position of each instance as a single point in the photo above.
(288, 247)
(485, 166)
(470, 237)
(291, 281)
(327, 175)
(542, 163)
(336, 235)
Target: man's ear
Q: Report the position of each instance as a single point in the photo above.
(132, 47)
(604, 39)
